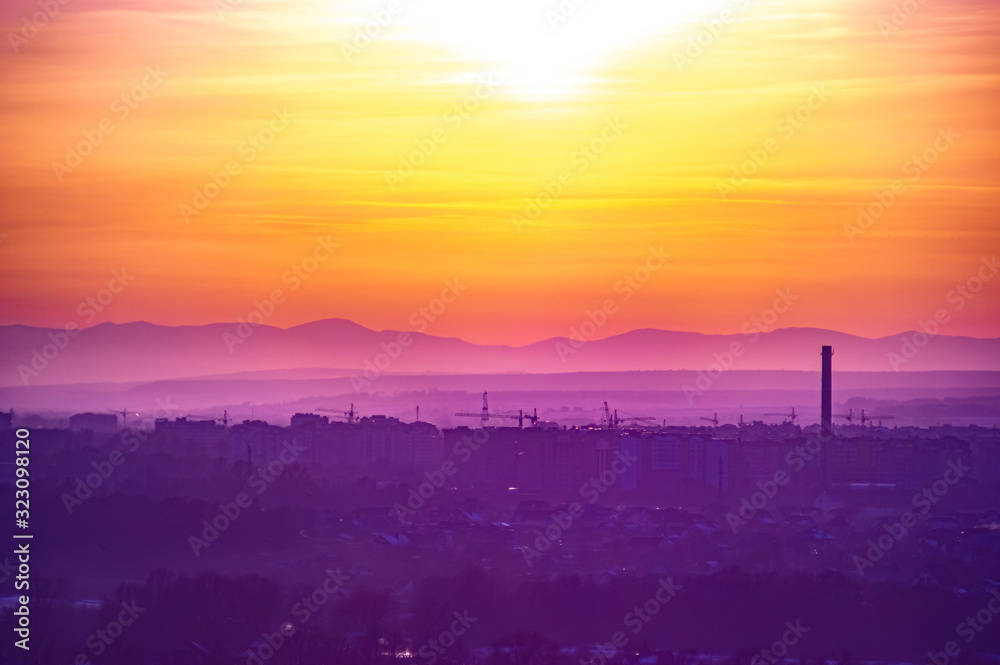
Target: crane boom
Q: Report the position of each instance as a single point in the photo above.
(485, 415)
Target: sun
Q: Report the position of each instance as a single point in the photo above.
(544, 48)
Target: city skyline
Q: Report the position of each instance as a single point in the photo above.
(496, 332)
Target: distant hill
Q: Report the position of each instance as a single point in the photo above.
(141, 351)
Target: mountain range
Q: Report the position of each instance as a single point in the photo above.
(139, 351)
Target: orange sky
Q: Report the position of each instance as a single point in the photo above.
(684, 125)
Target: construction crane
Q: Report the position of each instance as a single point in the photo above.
(714, 419)
(790, 416)
(224, 418)
(485, 415)
(849, 416)
(532, 418)
(633, 420)
(123, 413)
(520, 416)
(612, 421)
(871, 419)
(351, 414)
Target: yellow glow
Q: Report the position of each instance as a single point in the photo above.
(691, 116)
(544, 48)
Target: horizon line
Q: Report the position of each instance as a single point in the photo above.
(513, 346)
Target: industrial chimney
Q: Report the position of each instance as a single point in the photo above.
(826, 403)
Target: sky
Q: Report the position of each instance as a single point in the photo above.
(512, 169)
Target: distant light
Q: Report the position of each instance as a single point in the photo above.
(511, 489)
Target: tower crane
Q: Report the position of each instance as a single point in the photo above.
(789, 416)
(714, 419)
(520, 416)
(351, 414)
(871, 419)
(532, 418)
(612, 421)
(224, 418)
(635, 420)
(485, 415)
(849, 416)
(123, 413)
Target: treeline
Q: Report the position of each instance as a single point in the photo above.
(211, 618)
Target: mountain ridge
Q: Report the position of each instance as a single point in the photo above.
(143, 351)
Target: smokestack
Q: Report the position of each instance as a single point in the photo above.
(826, 403)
